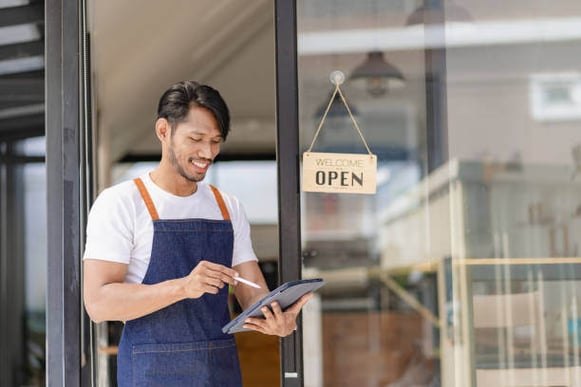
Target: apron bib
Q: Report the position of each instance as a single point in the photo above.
(182, 344)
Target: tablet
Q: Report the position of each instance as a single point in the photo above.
(286, 295)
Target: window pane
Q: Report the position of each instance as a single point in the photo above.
(513, 128)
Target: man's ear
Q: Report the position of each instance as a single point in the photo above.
(162, 129)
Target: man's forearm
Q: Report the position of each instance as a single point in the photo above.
(124, 301)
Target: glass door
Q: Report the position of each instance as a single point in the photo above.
(463, 268)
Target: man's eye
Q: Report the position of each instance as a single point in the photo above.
(195, 139)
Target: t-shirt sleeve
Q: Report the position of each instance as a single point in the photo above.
(243, 250)
(109, 228)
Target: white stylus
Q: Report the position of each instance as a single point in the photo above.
(245, 281)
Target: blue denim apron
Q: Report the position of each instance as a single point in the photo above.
(182, 344)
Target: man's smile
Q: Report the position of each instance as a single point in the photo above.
(202, 164)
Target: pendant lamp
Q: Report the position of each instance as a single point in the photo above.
(377, 73)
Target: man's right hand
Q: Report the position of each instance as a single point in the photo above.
(208, 277)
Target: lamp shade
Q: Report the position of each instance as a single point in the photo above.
(453, 13)
(377, 72)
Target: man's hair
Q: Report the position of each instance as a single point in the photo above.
(174, 105)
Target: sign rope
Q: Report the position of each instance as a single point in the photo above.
(338, 90)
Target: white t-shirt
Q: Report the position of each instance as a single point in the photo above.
(120, 229)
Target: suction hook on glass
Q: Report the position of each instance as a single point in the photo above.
(337, 78)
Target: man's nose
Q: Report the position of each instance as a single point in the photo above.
(205, 150)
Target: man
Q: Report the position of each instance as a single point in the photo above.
(162, 250)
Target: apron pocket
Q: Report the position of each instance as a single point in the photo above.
(195, 364)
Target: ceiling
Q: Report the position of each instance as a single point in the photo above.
(139, 49)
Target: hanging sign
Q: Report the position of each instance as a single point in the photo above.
(339, 172)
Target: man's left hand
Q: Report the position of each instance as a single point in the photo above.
(275, 321)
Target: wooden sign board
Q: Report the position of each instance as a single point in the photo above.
(339, 172)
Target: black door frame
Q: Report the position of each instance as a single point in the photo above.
(68, 171)
(287, 153)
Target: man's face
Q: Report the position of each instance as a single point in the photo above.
(194, 143)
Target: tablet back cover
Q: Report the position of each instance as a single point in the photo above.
(286, 295)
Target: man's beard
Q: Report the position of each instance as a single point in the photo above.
(174, 161)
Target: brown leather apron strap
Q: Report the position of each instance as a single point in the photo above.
(146, 198)
(221, 204)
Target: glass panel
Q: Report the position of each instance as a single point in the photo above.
(258, 198)
(367, 326)
(35, 270)
(35, 146)
(513, 131)
(463, 269)
(23, 260)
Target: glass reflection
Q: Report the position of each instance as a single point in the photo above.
(463, 269)
(519, 197)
